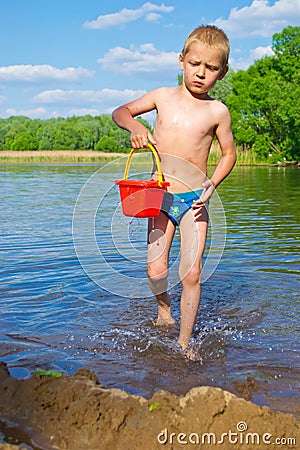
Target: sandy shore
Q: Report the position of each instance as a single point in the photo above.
(77, 413)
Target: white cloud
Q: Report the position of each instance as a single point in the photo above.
(60, 103)
(82, 102)
(144, 59)
(261, 18)
(243, 63)
(147, 10)
(153, 17)
(261, 52)
(87, 97)
(36, 113)
(41, 73)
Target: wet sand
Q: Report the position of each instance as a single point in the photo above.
(77, 413)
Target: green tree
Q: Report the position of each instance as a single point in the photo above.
(72, 133)
(287, 42)
(24, 141)
(16, 125)
(45, 136)
(106, 144)
(286, 47)
(223, 88)
(264, 102)
(3, 131)
(65, 137)
(90, 132)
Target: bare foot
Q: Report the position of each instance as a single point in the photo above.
(165, 321)
(164, 316)
(188, 352)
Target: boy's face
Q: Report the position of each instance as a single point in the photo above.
(202, 67)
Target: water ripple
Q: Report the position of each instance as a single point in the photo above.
(54, 316)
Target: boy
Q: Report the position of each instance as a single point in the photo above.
(187, 119)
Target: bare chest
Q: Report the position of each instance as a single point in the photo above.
(178, 118)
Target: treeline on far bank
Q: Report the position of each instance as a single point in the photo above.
(263, 102)
(72, 133)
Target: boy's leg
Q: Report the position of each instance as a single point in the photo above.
(193, 239)
(160, 235)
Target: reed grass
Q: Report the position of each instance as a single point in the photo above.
(244, 157)
(56, 156)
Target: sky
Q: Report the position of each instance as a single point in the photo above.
(61, 58)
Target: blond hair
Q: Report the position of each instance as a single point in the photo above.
(212, 36)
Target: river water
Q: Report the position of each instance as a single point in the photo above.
(74, 292)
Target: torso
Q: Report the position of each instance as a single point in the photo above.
(184, 136)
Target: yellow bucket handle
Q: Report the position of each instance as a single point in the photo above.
(154, 151)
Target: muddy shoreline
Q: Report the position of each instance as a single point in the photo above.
(77, 413)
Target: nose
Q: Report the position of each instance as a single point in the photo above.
(201, 72)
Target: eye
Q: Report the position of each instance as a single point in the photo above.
(212, 68)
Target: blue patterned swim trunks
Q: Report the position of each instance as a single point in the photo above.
(175, 206)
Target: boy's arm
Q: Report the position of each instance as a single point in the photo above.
(227, 162)
(124, 117)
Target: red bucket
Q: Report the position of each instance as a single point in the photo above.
(142, 198)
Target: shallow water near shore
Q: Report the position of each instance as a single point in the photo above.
(63, 313)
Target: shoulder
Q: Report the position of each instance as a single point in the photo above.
(156, 95)
(148, 101)
(219, 109)
(218, 106)
(162, 92)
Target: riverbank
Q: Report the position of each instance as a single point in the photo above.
(57, 156)
(76, 412)
(244, 158)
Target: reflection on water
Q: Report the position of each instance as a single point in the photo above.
(53, 315)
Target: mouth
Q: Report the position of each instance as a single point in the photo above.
(198, 84)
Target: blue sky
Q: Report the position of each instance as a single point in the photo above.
(74, 57)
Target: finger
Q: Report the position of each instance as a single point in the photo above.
(135, 144)
(198, 214)
(139, 141)
(151, 138)
(198, 206)
(145, 141)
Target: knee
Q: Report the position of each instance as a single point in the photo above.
(158, 278)
(157, 271)
(191, 276)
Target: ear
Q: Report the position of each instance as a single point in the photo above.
(223, 72)
(181, 58)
